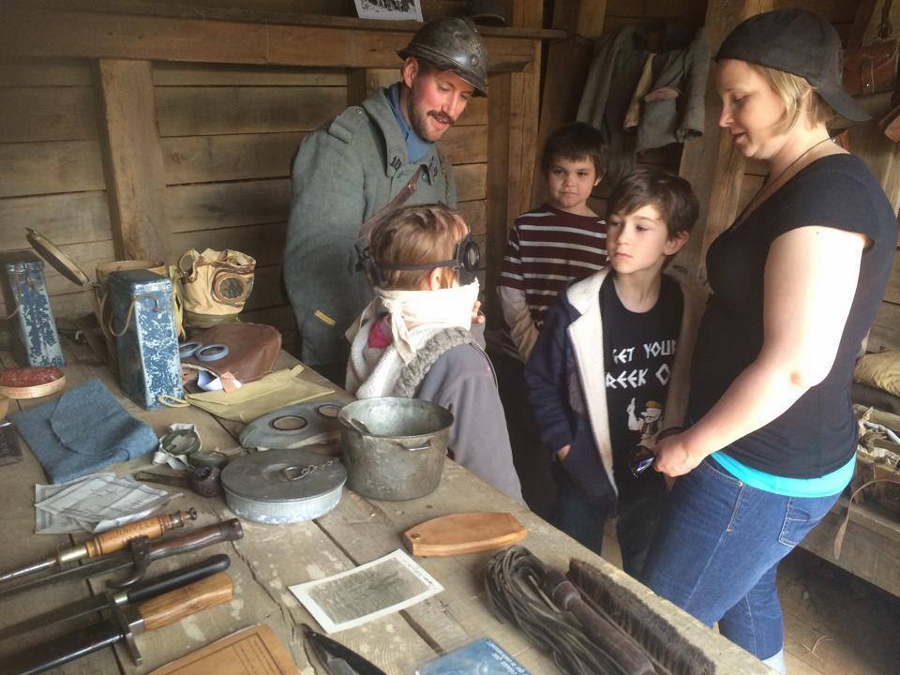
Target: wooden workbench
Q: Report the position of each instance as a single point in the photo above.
(271, 557)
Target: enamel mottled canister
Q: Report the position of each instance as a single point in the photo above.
(146, 340)
(35, 340)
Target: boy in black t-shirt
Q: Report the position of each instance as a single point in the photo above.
(610, 369)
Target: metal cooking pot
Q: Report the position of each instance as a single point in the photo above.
(394, 448)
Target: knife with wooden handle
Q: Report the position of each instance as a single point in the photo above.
(122, 626)
(144, 590)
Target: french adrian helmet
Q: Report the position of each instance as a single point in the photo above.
(452, 44)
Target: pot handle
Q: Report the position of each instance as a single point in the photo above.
(415, 448)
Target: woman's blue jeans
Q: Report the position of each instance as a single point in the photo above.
(717, 550)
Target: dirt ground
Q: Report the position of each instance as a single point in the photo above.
(835, 623)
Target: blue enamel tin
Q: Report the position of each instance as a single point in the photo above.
(146, 342)
(35, 340)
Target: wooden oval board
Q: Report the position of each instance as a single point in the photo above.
(460, 533)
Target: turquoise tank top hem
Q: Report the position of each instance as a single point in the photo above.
(824, 486)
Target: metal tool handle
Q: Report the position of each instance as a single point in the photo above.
(182, 602)
(145, 552)
(621, 647)
(153, 527)
(178, 578)
(230, 530)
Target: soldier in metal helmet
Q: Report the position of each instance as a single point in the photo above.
(357, 164)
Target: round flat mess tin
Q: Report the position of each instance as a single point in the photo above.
(295, 425)
(284, 486)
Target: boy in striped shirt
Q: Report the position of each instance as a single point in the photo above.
(560, 241)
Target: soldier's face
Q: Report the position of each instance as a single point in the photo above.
(434, 100)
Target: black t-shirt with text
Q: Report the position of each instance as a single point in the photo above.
(638, 353)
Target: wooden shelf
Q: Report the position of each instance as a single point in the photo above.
(871, 548)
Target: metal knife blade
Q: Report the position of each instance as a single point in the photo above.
(156, 613)
(338, 659)
(142, 591)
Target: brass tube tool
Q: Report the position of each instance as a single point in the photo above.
(108, 542)
(141, 552)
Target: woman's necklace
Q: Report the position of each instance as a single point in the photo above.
(792, 164)
(766, 187)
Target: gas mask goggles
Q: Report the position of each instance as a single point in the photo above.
(467, 257)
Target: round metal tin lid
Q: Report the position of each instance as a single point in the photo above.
(309, 423)
(284, 475)
(59, 260)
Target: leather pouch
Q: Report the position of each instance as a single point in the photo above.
(252, 349)
(870, 69)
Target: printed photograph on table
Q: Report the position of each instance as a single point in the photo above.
(372, 590)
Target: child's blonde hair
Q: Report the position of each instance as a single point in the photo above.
(414, 235)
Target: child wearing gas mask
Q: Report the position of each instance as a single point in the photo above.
(414, 339)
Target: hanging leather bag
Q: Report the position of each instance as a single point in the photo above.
(872, 68)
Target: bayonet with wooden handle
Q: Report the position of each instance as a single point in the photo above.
(122, 627)
(145, 590)
(106, 543)
(141, 552)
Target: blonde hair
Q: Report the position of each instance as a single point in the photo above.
(791, 89)
(415, 235)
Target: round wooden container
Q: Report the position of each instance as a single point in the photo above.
(31, 382)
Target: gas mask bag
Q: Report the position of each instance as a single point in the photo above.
(216, 284)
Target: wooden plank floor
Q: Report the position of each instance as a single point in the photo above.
(835, 623)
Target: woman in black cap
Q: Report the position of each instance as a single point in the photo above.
(796, 281)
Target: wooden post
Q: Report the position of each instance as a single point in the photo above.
(499, 166)
(133, 161)
(567, 65)
(527, 14)
(712, 164)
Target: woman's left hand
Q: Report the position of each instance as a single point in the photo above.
(673, 457)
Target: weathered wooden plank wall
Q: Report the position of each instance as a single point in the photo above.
(199, 154)
(227, 132)
(51, 169)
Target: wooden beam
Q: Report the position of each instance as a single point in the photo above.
(528, 13)
(346, 43)
(499, 166)
(134, 161)
(523, 132)
(568, 61)
(712, 164)
(581, 17)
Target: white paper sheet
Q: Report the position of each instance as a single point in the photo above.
(95, 503)
(388, 584)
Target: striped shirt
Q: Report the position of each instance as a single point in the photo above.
(547, 249)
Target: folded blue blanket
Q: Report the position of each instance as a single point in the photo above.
(83, 431)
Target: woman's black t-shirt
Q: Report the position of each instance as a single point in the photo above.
(817, 435)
